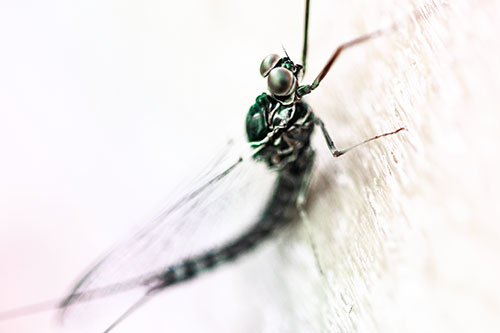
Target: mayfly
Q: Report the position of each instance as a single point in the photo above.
(279, 126)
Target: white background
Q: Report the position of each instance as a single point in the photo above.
(106, 107)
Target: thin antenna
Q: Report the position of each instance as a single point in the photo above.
(286, 53)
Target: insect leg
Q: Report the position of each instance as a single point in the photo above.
(146, 297)
(301, 199)
(338, 51)
(306, 179)
(306, 34)
(335, 152)
(306, 89)
(418, 14)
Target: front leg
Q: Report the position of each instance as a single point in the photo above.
(335, 152)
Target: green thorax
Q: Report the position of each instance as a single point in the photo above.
(285, 128)
(267, 113)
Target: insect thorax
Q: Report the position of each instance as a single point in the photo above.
(288, 126)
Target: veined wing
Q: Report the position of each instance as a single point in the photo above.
(223, 204)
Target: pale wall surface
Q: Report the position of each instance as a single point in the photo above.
(105, 106)
(409, 237)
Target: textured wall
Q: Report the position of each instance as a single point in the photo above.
(407, 233)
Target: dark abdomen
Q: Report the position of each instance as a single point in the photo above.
(281, 210)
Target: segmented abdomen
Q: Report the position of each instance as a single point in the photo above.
(281, 209)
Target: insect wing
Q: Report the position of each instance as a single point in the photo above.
(221, 205)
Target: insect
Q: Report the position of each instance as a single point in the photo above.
(279, 127)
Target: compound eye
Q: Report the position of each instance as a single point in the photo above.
(281, 82)
(268, 64)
